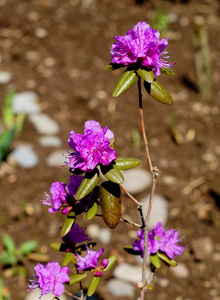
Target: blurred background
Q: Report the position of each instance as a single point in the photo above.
(52, 79)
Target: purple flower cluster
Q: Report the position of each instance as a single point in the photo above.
(75, 235)
(57, 198)
(159, 239)
(50, 278)
(141, 44)
(91, 148)
(90, 261)
(60, 192)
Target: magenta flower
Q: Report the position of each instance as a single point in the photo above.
(50, 278)
(75, 235)
(141, 44)
(57, 198)
(75, 181)
(91, 148)
(169, 244)
(90, 261)
(159, 240)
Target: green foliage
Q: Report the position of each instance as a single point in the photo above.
(110, 200)
(111, 261)
(88, 184)
(160, 21)
(68, 223)
(13, 126)
(93, 285)
(112, 173)
(158, 92)
(126, 80)
(127, 163)
(92, 211)
(77, 278)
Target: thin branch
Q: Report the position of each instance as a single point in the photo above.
(131, 197)
(131, 222)
(154, 175)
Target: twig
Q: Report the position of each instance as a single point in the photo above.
(73, 296)
(139, 204)
(154, 175)
(131, 222)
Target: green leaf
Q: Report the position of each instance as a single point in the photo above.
(93, 285)
(126, 80)
(8, 243)
(147, 76)
(8, 259)
(155, 260)
(6, 140)
(56, 246)
(130, 250)
(110, 200)
(92, 211)
(112, 67)
(167, 260)
(7, 113)
(28, 247)
(158, 92)
(84, 247)
(67, 259)
(111, 261)
(68, 224)
(88, 184)
(112, 173)
(166, 71)
(126, 163)
(77, 278)
(19, 123)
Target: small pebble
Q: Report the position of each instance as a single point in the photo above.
(26, 102)
(163, 282)
(93, 231)
(159, 212)
(120, 288)
(127, 272)
(203, 247)
(56, 158)
(5, 77)
(44, 124)
(25, 156)
(50, 141)
(180, 271)
(35, 295)
(105, 235)
(136, 180)
(41, 33)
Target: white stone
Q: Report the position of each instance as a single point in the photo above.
(26, 102)
(44, 124)
(56, 158)
(41, 33)
(5, 77)
(127, 272)
(34, 295)
(120, 288)
(136, 180)
(50, 141)
(105, 235)
(25, 156)
(180, 271)
(159, 212)
(93, 231)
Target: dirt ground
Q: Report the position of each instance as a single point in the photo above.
(59, 49)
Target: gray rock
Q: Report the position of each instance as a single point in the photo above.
(120, 288)
(26, 102)
(159, 212)
(50, 141)
(5, 77)
(180, 271)
(136, 180)
(203, 247)
(34, 295)
(105, 235)
(25, 156)
(56, 158)
(44, 124)
(127, 272)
